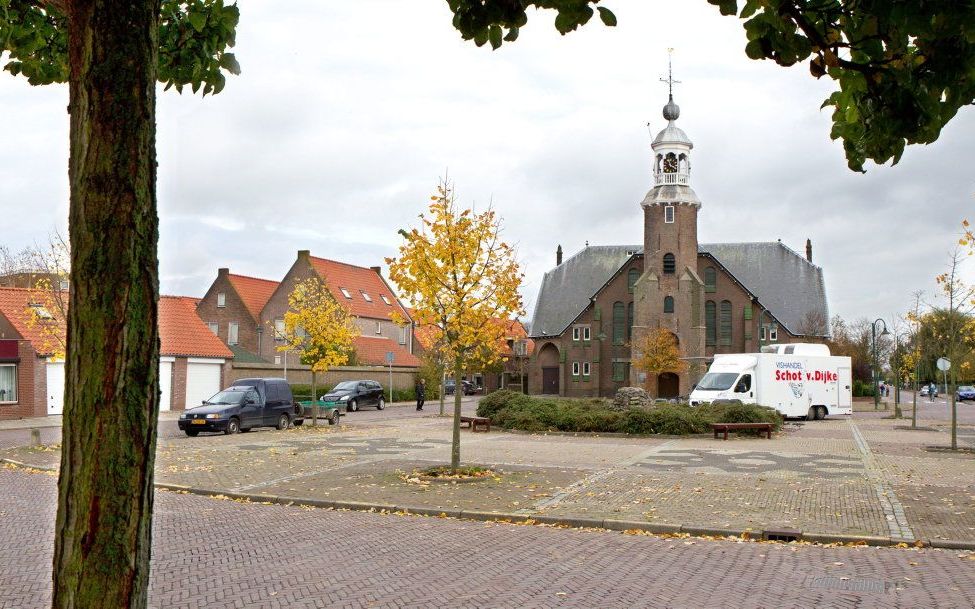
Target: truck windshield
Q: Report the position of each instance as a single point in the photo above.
(717, 381)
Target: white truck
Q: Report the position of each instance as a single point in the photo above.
(798, 380)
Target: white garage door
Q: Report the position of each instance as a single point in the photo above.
(165, 383)
(202, 380)
(55, 387)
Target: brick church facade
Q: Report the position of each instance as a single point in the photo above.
(715, 298)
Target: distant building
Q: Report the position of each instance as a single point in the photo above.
(714, 298)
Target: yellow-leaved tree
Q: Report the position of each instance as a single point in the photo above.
(320, 329)
(460, 276)
(655, 353)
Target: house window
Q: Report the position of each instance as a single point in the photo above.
(725, 319)
(214, 327)
(668, 304)
(277, 360)
(366, 296)
(346, 293)
(576, 332)
(278, 329)
(619, 323)
(575, 368)
(403, 331)
(386, 300)
(629, 321)
(631, 277)
(710, 279)
(670, 264)
(221, 299)
(64, 285)
(232, 331)
(586, 369)
(669, 214)
(586, 335)
(620, 370)
(379, 327)
(711, 324)
(8, 383)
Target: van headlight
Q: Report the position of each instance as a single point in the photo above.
(344, 398)
(213, 416)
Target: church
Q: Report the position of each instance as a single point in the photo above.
(714, 297)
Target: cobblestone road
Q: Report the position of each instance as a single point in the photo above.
(220, 554)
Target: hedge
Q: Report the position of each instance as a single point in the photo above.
(510, 410)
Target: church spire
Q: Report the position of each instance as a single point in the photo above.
(671, 110)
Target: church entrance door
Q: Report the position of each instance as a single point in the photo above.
(668, 385)
(550, 380)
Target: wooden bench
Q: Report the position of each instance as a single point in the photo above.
(474, 422)
(718, 427)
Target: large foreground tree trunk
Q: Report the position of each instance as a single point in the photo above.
(105, 492)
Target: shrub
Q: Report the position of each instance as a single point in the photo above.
(493, 402)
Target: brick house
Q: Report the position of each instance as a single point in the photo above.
(714, 298)
(366, 295)
(231, 309)
(193, 362)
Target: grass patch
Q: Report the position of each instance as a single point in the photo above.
(510, 410)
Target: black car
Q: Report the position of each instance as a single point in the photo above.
(246, 404)
(356, 394)
(467, 387)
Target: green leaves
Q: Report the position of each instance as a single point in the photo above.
(194, 37)
(498, 21)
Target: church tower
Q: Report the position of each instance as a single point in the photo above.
(670, 294)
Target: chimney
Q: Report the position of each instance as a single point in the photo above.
(378, 269)
(304, 254)
(223, 272)
(809, 250)
(558, 255)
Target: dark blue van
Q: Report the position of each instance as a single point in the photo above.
(246, 404)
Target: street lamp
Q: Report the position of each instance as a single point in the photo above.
(873, 334)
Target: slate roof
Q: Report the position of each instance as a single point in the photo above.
(253, 291)
(183, 333)
(356, 280)
(787, 284)
(371, 351)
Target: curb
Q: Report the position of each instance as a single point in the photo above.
(609, 524)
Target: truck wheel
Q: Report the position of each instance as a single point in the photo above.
(233, 426)
(283, 421)
(811, 415)
(334, 419)
(381, 404)
(820, 413)
(353, 406)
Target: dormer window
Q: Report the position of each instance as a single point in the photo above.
(346, 293)
(40, 311)
(386, 300)
(366, 296)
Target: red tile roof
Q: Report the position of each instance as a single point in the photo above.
(182, 332)
(14, 304)
(356, 280)
(253, 291)
(371, 351)
(427, 335)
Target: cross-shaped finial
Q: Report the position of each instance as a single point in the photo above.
(670, 75)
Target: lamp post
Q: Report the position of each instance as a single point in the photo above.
(874, 375)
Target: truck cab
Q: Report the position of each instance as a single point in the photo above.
(730, 377)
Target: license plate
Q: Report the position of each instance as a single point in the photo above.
(199, 422)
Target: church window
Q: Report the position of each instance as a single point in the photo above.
(631, 277)
(711, 323)
(620, 371)
(586, 333)
(773, 333)
(726, 322)
(586, 368)
(575, 368)
(710, 279)
(669, 214)
(629, 321)
(668, 304)
(670, 264)
(619, 322)
(576, 330)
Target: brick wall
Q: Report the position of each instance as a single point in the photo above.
(403, 378)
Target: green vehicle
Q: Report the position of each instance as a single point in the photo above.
(326, 410)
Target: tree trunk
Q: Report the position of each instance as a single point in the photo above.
(105, 492)
(455, 443)
(954, 406)
(914, 412)
(443, 379)
(314, 401)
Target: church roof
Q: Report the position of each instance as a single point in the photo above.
(784, 282)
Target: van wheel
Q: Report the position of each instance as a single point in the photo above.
(381, 404)
(334, 419)
(283, 421)
(353, 406)
(233, 426)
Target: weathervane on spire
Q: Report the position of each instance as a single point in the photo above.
(671, 110)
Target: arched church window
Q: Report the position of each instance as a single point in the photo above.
(619, 322)
(726, 322)
(710, 323)
(668, 304)
(670, 264)
(710, 279)
(629, 321)
(631, 277)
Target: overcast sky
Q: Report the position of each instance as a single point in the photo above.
(348, 113)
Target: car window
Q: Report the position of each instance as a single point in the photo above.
(252, 395)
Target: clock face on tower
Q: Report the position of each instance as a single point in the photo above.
(670, 164)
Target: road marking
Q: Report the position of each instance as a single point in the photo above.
(894, 514)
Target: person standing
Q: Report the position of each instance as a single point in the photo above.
(421, 393)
